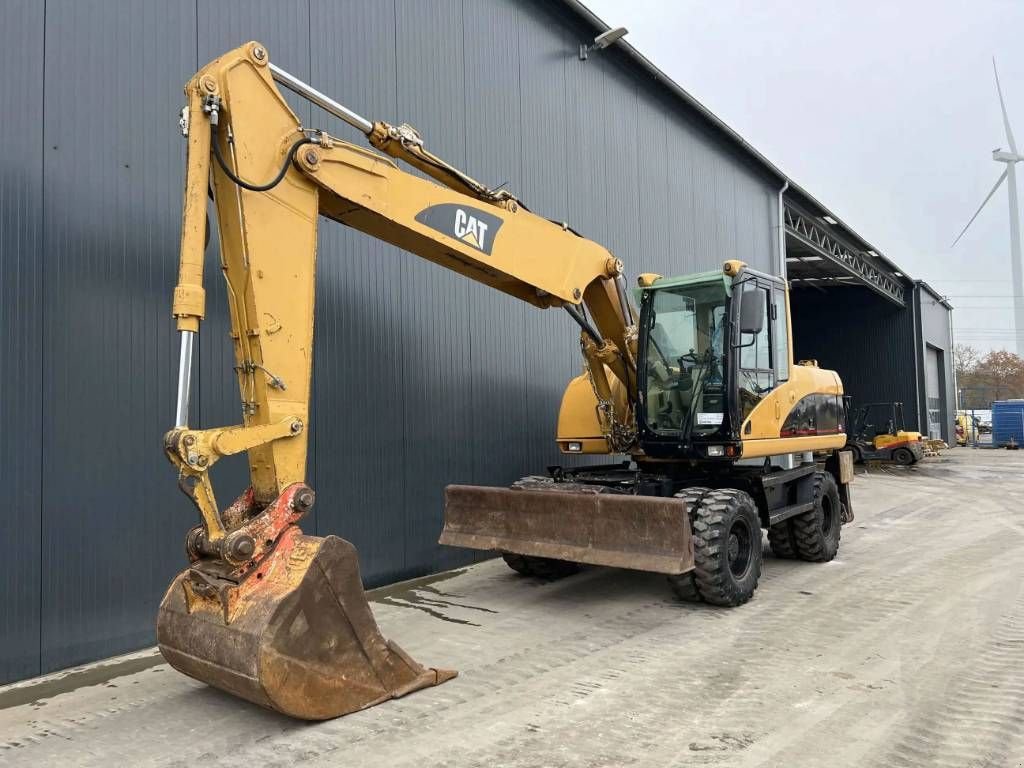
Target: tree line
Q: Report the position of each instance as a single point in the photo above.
(998, 375)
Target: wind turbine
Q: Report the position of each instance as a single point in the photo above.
(1009, 174)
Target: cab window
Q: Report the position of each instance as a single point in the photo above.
(756, 374)
(780, 334)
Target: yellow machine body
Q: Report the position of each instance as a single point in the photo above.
(902, 437)
(278, 617)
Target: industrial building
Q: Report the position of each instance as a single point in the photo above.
(456, 382)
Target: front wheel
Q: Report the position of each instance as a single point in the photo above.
(685, 585)
(726, 548)
(903, 456)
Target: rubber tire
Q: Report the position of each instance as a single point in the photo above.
(685, 585)
(712, 520)
(780, 538)
(540, 567)
(816, 533)
(903, 456)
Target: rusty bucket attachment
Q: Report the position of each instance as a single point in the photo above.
(295, 635)
(645, 533)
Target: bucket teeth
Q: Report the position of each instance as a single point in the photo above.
(296, 635)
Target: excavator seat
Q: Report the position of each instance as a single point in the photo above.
(295, 635)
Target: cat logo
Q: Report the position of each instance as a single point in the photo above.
(470, 229)
(470, 225)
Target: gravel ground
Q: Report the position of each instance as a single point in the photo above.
(907, 650)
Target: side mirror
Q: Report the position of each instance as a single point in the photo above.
(752, 312)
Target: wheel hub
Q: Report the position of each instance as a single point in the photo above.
(737, 549)
(827, 515)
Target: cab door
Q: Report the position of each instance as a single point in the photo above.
(763, 361)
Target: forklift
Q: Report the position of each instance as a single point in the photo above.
(877, 433)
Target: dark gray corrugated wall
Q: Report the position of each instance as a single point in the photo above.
(868, 340)
(422, 378)
(21, 227)
(877, 348)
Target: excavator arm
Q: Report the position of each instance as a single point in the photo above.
(264, 611)
(268, 243)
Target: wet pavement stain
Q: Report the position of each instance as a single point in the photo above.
(425, 609)
(417, 598)
(441, 593)
(403, 588)
(36, 694)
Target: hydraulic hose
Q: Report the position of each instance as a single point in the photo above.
(242, 182)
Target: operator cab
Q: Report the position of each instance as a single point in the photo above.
(712, 346)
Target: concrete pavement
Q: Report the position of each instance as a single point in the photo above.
(908, 650)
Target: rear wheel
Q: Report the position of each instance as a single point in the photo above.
(726, 548)
(858, 456)
(780, 537)
(540, 567)
(816, 532)
(903, 456)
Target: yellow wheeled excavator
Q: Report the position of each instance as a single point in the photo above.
(698, 388)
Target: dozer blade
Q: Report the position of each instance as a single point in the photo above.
(297, 635)
(645, 533)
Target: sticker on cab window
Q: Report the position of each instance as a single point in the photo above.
(710, 418)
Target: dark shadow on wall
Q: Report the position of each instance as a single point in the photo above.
(867, 339)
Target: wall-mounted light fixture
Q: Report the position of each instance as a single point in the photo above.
(602, 41)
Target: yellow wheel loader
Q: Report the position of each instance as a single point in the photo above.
(698, 389)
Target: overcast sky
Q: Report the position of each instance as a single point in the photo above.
(887, 112)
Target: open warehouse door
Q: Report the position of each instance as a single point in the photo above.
(858, 313)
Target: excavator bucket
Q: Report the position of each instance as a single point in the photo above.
(296, 635)
(644, 533)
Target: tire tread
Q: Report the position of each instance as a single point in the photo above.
(809, 540)
(710, 518)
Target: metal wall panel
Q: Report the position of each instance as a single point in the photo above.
(494, 152)
(436, 353)
(21, 323)
(422, 377)
(867, 339)
(111, 519)
(689, 244)
(933, 329)
(552, 349)
(719, 206)
(359, 379)
(658, 210)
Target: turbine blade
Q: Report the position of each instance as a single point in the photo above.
(1006, 119)
(984, 202)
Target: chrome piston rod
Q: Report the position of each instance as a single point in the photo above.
(184, 379)
(326, 103)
